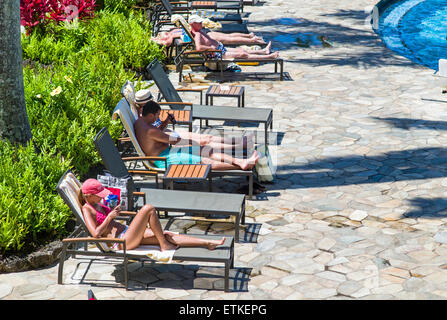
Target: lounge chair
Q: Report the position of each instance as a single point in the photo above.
(202, 5)
(123, 112)
(68, 188)
(204, 203)
(204, 112)
(229, 27)
(186, 56)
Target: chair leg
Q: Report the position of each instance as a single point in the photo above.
(236, 227)
(281, 76)
(126, 275)
(227, 276)
(250, 187)
(61, 263)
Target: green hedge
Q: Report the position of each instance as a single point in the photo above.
(73, 77)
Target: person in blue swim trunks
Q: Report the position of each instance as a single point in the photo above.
(203, 41)
(199, 139)
(155, 142)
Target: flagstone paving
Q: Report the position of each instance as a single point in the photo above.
(359, 207)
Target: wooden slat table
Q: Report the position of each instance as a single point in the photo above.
(204, 4)
(226, 91)
(188, 172)
(181, 116)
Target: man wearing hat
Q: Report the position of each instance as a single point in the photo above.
(204, 41)
(228, 38)
(216, 143)
(141, 97)
(155, 142)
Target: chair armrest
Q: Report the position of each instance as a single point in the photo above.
(91, 239)
(177, 103)
(125, 139)
(192, 90)
(128, 213)
(164, 22)
(139, 194)
(143, 158)
(148, 172)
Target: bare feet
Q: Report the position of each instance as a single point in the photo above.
(250, 162)
(268, 47)
(212, 244)
(275, 54)
(168, 246)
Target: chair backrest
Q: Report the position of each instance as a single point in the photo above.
(128, 92)
(112, 161)
(123, 112)
(164, 84)
(69, 189)
(167, 5)
(181, 23)
(109, 154)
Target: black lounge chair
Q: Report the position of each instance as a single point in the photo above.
(187, 56)
(203, 203)
(123, 111)
(204, 112)
(68, 188)
(203, 5)
(230, 27)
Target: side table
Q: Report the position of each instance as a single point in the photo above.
(226, 92)
(181, 116)
(187, 172)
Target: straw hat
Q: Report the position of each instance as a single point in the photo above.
(143, 96)
(195, 18)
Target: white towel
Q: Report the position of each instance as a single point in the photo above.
(153, 252)
(442, 68)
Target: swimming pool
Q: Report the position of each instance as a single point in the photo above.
(416, 29)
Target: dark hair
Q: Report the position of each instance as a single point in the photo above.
(150, 107)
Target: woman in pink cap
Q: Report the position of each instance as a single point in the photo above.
(100, 222)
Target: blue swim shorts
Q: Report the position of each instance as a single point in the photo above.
(180, 155)
(218, 55)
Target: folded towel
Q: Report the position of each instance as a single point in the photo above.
(442, 68)
(153, 252)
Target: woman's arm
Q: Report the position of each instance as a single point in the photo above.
(90, 220)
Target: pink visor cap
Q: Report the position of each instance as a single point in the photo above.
(93, 186)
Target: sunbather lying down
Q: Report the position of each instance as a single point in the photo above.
(204, 41)
(167, 38)
(218, 144)
(155, 142)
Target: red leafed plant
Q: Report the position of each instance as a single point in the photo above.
(36, 12)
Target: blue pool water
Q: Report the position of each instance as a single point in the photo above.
(416, 29)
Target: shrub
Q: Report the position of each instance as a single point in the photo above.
(69, 117)
(35, 13)
(29, 207)
(72, 83)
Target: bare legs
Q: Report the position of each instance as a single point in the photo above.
(251, 54)
(221, 161)
(138, 233)
(216, 143)
(236, 38)
(166, 39)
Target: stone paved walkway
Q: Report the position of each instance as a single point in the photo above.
(359, 208)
